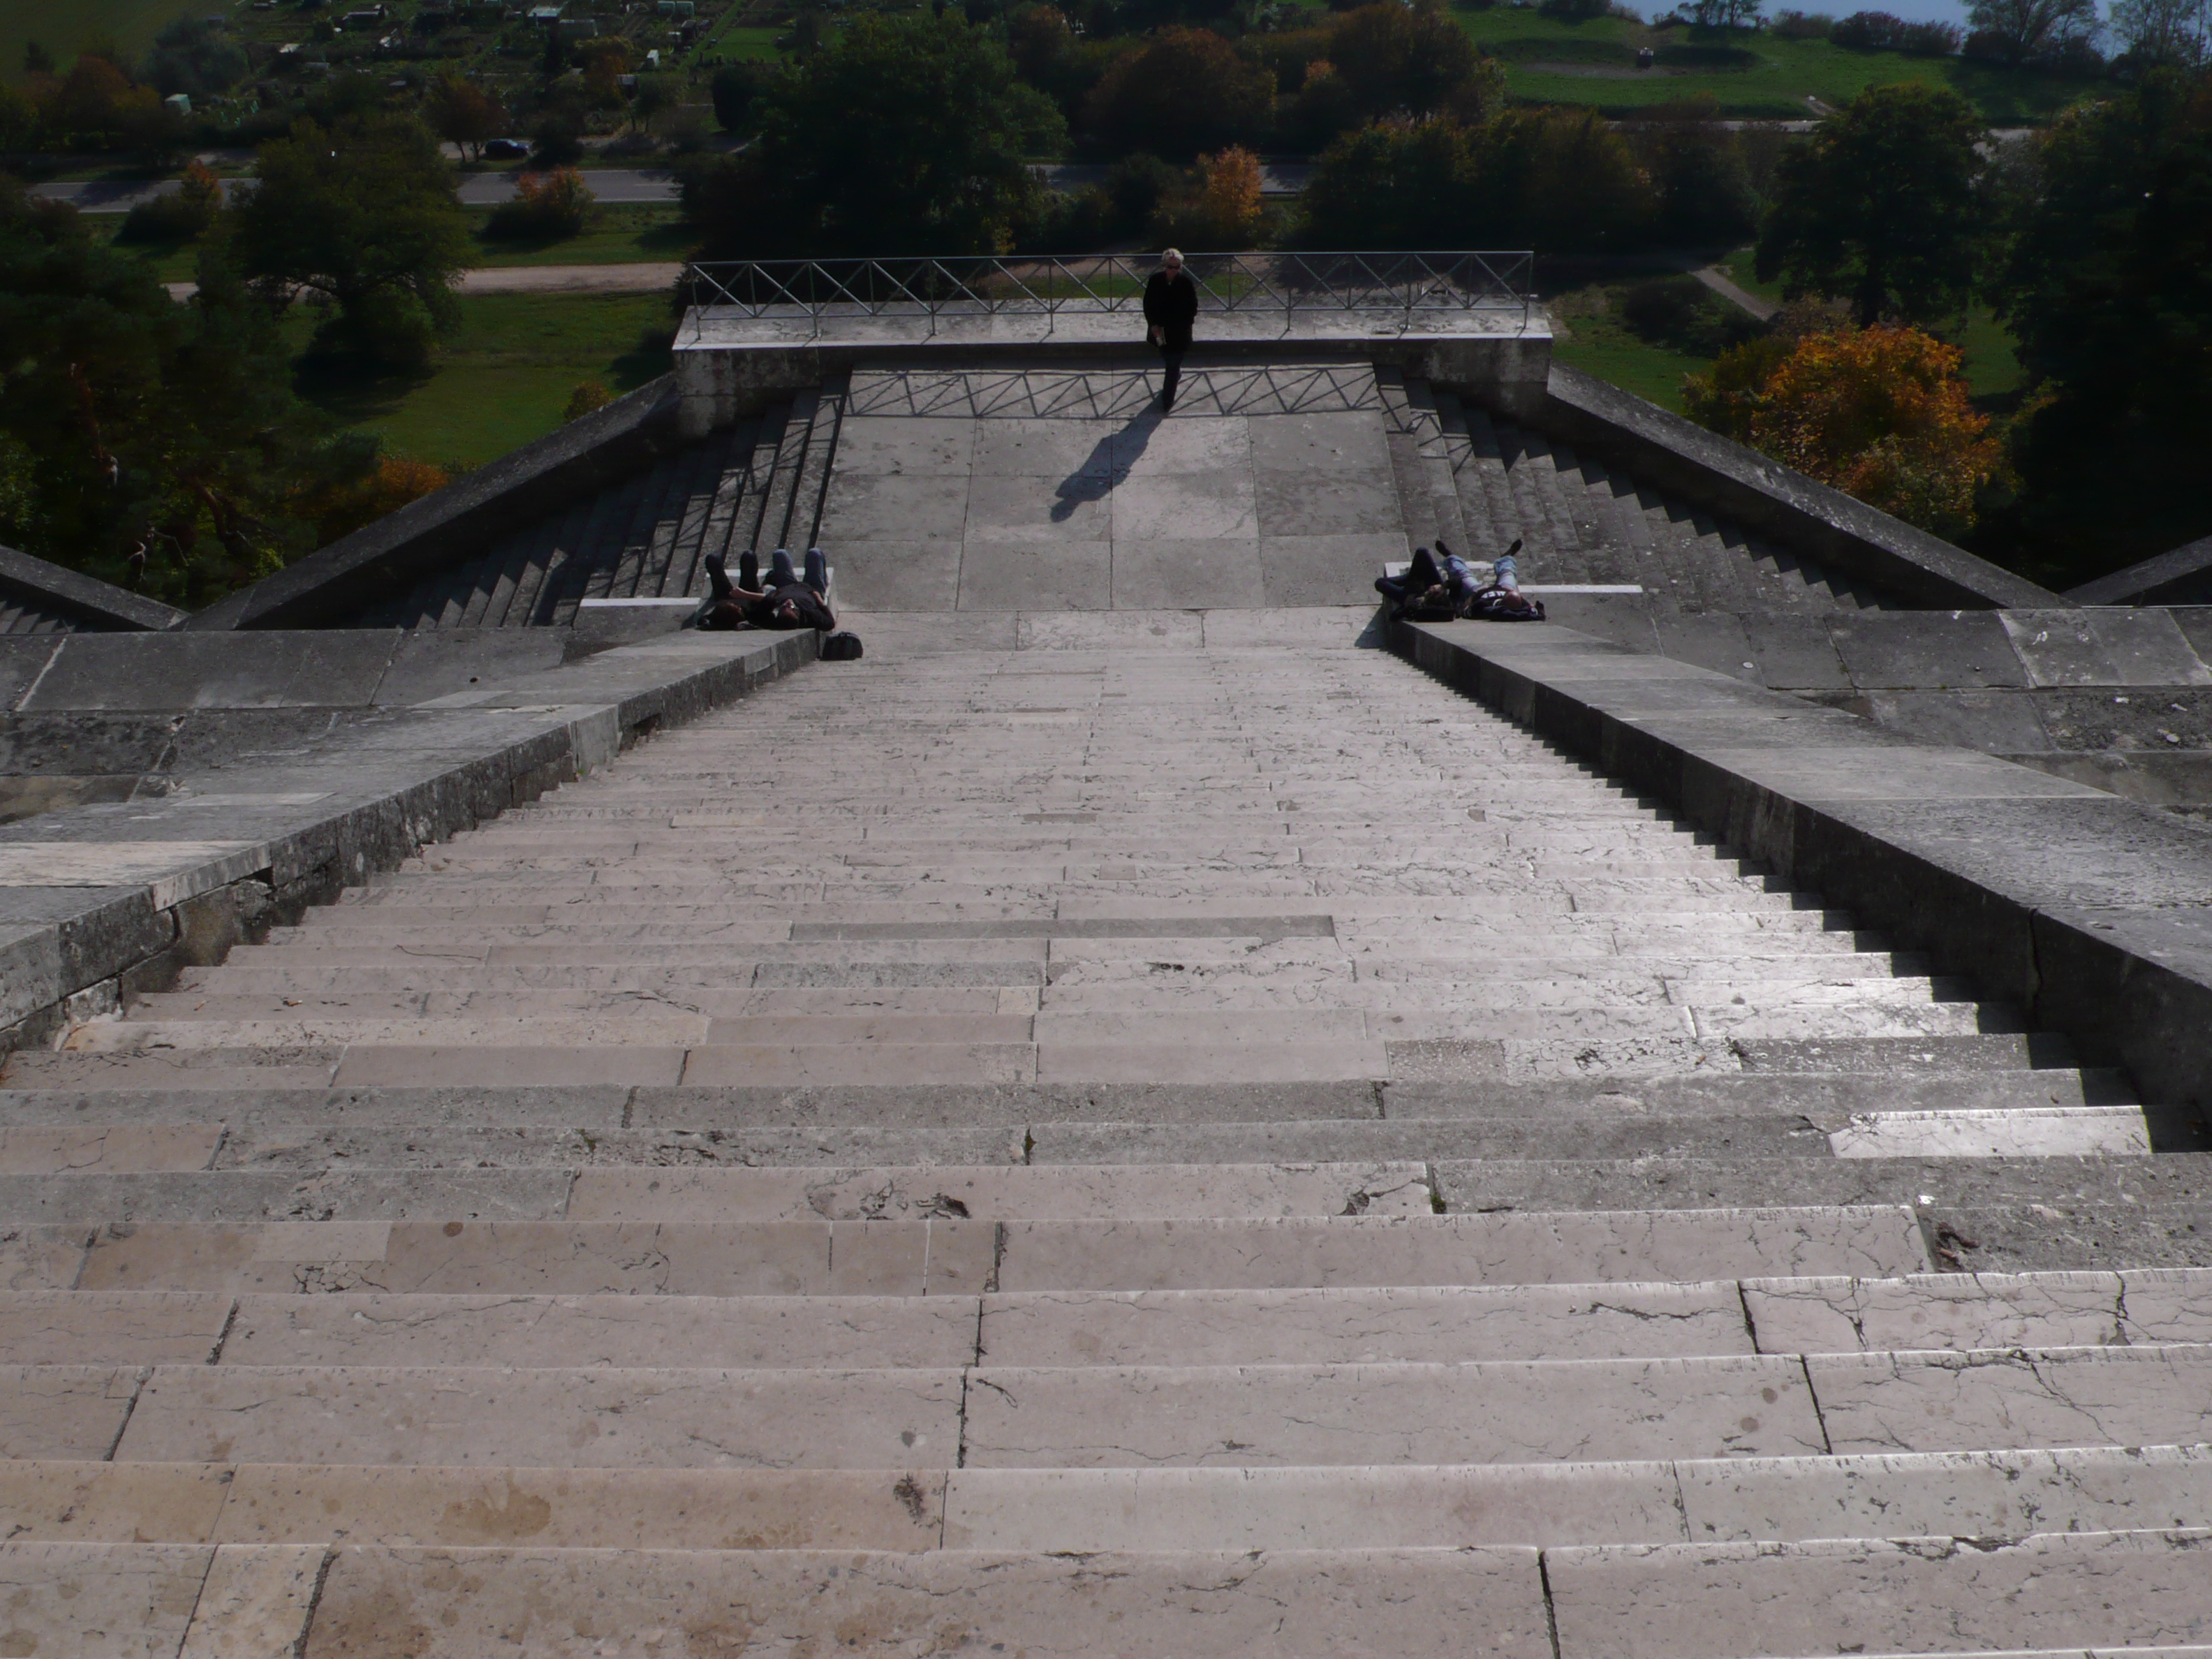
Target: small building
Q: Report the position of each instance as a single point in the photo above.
(677, 8)
(180, 102)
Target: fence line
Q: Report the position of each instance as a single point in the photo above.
(1409, 284)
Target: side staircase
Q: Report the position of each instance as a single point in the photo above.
(1102, 1153)
(1480, 481)
(759, 484)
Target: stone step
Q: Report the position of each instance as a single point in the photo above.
(1440, 1324)
(1133, 1113)
(954, 1257)
(1984, 1495)
(2131, 1590)
(1105, 1416)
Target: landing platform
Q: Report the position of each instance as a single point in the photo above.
(729, 363)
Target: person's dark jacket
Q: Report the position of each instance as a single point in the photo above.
(812, 611)
(1171, 307)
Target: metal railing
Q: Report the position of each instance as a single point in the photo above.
(817, 290)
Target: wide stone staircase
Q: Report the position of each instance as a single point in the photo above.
(1102, 1151)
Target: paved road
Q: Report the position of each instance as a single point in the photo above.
(648, 278)
(617, 185)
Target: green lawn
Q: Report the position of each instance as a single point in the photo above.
(1553, 62)
(1595, 339)
(67, 27)
(620, 234)
(504, 374)
(733, 44)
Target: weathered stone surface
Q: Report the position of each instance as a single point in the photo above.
(387, 1602)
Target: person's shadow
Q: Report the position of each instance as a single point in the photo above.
(1109, 461)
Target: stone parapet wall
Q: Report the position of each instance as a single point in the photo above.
(99, 903)
(2085, 909)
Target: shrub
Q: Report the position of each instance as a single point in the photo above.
(1574, 11)
(1802, 25)
(548, 207)
(587, 396)
(558, 141)
(1878, 31)
(1682, 313)
(339, 508)
(178, 215)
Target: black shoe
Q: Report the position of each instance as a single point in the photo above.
(748, 571)
(718, 576)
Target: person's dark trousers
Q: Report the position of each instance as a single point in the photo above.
(1173, 359)
(1423, 573)
(780, 573)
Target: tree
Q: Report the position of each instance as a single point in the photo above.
(196, 58)
(1881, 206)
(907, 134)
(656, 95)
(1229, 202)
(1561, 180)
(1697, 166)
(141, 440)
(1394, 184)
(737, 90)
(547, 207)
(2031, 31)
(37, 60)
(462, 112)
(1187, 92)
(2172, 34)
(1394, 58)
(2107, 292)
(362, 217)
(1727, 14)
(1879, 413)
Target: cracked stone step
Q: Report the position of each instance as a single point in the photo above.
(1985, 1310)
(951, 1256)
(2078, 1591)
(1971, 1495)
(1468, 1604)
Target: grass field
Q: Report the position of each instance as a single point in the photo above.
(503, 375)
(1550, 61)
(619, 234)
(65, 27)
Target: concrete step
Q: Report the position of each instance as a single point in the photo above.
(951, 1256)
(1984, 1495)
(1119, 1416)
(2047, 1592)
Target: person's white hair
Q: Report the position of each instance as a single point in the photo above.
(1173, 254)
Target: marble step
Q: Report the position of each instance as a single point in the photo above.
(1135, 1116)
(1263, 1326)
(1149, 1417)
(2113, 1130)
(950, 1256)
(1987, 1495)
(663, 1024)
(651, 1193)
(2045, 1592)
(1116, 1416)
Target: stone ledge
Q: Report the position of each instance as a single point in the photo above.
(285, 828)
(2182, 576)
(386, 558)
(2087, 910)
(85, 601)
(1856, 540)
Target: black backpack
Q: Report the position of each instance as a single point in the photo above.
(840, 647)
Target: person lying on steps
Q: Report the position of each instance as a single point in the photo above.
(1434, 590)
(787, 600)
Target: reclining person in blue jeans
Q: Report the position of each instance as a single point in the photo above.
(786, 601)
(1434, 591)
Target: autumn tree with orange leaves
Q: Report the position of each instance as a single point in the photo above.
(1879, 413)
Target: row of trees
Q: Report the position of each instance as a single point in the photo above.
(158, 443)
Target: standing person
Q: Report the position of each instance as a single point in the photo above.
(1170, 308)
